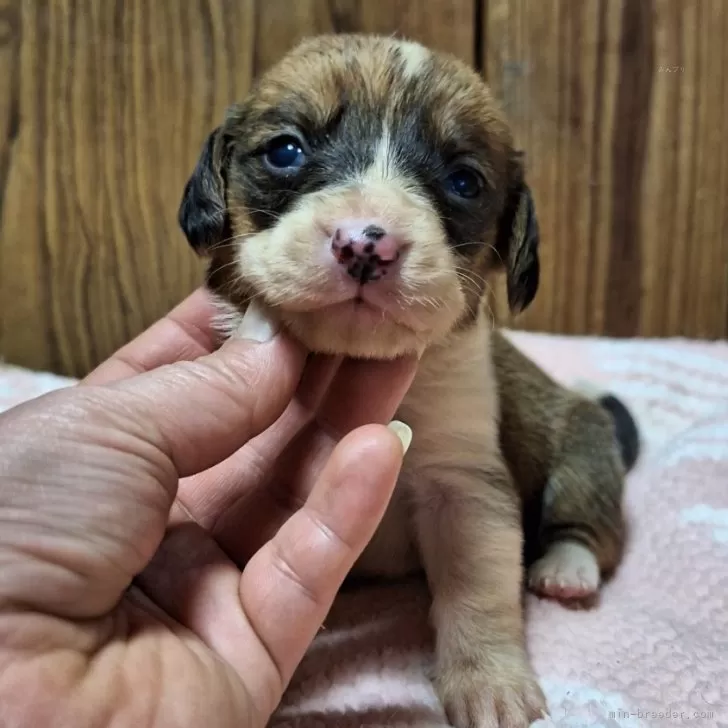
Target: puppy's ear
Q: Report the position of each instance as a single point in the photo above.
(203, 213)
(517, 242)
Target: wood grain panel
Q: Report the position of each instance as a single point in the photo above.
(107, 106)
(447, 25)
(621, 106)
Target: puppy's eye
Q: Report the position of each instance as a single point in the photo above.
(465, 183)
(285, 153)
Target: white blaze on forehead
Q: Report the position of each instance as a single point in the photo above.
(386, 181)
(414, 57)
(383, 165)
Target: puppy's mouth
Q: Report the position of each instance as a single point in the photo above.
(364, 312)
(361, 308)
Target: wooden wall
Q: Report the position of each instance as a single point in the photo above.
(621, 105)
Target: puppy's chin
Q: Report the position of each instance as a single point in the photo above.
(355, 330)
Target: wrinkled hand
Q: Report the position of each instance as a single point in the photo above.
(174, 529)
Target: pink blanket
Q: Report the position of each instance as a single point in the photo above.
(654, 652)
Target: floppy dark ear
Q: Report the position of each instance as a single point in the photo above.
(517, 243)
(203, 212)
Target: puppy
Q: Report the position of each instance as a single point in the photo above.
(364, 192)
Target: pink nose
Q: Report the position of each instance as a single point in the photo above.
(365, 250)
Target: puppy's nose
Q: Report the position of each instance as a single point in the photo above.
(366, 250)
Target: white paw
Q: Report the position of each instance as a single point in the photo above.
(568, 571)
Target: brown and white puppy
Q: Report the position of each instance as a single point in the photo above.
(363, 193)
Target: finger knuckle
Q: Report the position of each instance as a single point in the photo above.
(283, 565)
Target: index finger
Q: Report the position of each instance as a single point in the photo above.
(366, 391)
(184, 334)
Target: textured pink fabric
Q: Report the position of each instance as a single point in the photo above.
(654, 652)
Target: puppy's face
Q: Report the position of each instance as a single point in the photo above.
(364, 191)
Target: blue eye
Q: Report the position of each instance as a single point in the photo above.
(465, 183)
(285, 153)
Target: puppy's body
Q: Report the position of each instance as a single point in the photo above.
(365, 191)
(458, 503)
(453, 407)
(478, 397)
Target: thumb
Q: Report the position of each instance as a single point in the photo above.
(262, 621)
(288, 587)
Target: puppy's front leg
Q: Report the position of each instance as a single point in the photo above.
(469, 529)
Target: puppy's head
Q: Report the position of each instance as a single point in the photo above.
(364, 191)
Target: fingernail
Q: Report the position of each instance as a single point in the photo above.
(420, 350)
(403, 432)
(256, 325)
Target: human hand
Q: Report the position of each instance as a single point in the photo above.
(215, 481)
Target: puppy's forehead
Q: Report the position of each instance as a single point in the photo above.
(384, 82)
(324, 71)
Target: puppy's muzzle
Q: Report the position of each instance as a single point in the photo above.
(366, 250)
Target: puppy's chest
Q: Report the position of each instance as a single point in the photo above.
(453, 415)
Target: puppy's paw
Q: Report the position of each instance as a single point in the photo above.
(568, 571)
(499, 695)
